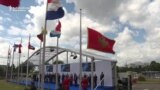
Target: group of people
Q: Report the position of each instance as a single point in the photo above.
(65, 81)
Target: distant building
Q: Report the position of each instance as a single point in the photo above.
(151, 74)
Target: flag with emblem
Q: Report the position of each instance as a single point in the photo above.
(12, 3)
(99, 42)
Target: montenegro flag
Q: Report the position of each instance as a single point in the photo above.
(12, 3)
(99, 42)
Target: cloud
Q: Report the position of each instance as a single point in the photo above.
(15, 31)
(100, 15)
(1, 28)
(1, 18)
(136, 13)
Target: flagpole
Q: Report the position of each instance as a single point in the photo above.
(57, 65)
(40, 63)
(7, 68)
(19, 61)
(8, 63)
(92, 62)
(27, 62)
(9, 59)
(12, 65)
(44, 44)
(19, 66)
(80, 65)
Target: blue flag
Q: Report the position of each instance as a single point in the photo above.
(15, 46)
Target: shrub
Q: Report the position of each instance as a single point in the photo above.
(141, 78)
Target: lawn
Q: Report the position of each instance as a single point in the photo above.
(9, 86)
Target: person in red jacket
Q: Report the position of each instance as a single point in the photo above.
(84, 83)
(66, 83)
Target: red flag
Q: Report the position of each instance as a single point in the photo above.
(58, 27)
(12, 3)
(30, 46)
(99, 42)
(40, 36)
(19, 46)
(9, 52)
(57, 31)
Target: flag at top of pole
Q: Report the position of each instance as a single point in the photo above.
(54, 10)
(9, 52)
(40, 37)
(12, 3)
(20, 46)
(15, 46)
(99, 42)
(30, 46)
(57, 31)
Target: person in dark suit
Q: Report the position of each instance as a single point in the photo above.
(75, 79)
(33, 87)
(102, 79)
(95, 80)
(89, 80)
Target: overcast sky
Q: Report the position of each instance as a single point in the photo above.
(134, 24)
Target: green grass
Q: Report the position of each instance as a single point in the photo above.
(9, 86)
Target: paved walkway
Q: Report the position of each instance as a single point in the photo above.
(146, 86)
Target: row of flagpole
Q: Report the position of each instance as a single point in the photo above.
(42, 60)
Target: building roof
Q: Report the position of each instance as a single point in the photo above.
(51, 52)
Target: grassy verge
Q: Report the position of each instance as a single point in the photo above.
(9, 86)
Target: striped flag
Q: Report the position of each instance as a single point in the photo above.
(57, 31)
(54, 10)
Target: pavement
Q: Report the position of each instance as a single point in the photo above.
(146, 86)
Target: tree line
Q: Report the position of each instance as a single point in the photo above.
(153, 66)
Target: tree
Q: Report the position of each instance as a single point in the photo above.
(2, 71)
(154, 66)
(59, 62)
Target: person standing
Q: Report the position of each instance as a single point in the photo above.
(75, 79)
(71, 79)
(66, 83)
(102, 79)
(84, 83)
(89, 80)
(95, 80)
(59, 78)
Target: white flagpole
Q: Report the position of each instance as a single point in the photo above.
(19, 66)
(67, 57)
(40, 63)
(8, 63)
(27, 62)
(80, 64)
(92, 60)
(12, 65)
(57, 65)
(44, 44)
(19, 62)
(9, 59)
